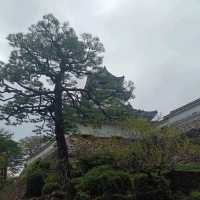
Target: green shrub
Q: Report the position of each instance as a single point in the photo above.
(50, 187)
(95, 160)
(38, 165)
(116, 197)
(82, 196)
(104, 180)
(189, 167)
(52, 178)
(152, 188)
(122, 197)
(34, 185)
(35, 175)
(195, 195)
(178, 195)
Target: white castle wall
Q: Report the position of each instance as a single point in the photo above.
(185, 119)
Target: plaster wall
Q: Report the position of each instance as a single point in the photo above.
(183, 115)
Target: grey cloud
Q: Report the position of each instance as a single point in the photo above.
(153, 43)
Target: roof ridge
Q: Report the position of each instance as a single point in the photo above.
(184, 107)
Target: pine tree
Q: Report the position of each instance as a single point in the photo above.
(42, 75)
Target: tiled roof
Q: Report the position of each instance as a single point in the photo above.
(183, 108)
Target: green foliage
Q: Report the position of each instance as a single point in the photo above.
(52, 178)
(137, 125)
(34, 185)
(39, 166)
(189, 151)
(195, 195)
(104, 180)
(3, 161)
(7, 145)
(116, 197)
(93, 160)
(151, 188)
(82, 196)
(159, 149)
(178, 195)
(40, 179)
(50, 187)
(188, 167)
(13, 187)
(10, 152)
(42, 52)
(35, 175)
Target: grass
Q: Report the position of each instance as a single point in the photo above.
(13, 189)
(189, 167)
(7, 190)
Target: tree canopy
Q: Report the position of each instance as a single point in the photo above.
(42, 76)
(48, 54)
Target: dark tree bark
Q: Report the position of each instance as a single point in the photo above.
(63, 157)
(5, 173)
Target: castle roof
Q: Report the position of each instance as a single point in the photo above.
(183, 108)
(103, 79)
(95, 79)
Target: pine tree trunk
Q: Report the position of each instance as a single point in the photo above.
(63, 158)
(5, 173)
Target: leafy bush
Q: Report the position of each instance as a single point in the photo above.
(35, 175)
(122, 197)
(178, 195)
(52, 178)
(152, 188)
(82, 196)
(156, 150)
(104, 180)
(195, 195)
(34, 185)
(116, 197)
(188, 167)
(94, 160)
(38, 165)
(50, 187)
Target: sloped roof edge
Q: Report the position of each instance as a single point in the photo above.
(183, 108)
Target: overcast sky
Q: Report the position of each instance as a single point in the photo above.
(154, 43)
